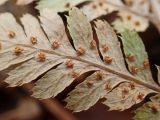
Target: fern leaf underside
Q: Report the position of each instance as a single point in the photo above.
(33, 53)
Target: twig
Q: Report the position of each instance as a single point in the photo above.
(22, 109)
(57, 110)
(54, 107)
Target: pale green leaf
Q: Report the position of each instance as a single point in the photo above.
(121, 26)
(84, 97)
(133, 46)
(98, 8)
(81, 32)
(58, 5)
(150, 110)
(136, 55)
(130, 21)
(124, 97)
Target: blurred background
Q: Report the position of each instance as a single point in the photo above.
(17, 104)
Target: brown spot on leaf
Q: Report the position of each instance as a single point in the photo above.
(89, 83)
(108, 87)
(100, 4)
(67, 5)
(108, 60)
(55, 44)
(75, 74)
(140, 96)
(99, 75)
(137, 23)
(105, 48)
(69, 63)
(11, 34)
(146, 64)
(154, 108)
(41, 56)
(125, 91)
(93, 44)
(18, 50)
(130, 2)
(134, 70)
(130, 57)
(129, 17)
(132, 85)
(107, 10)
(80, 51)
(33, 40)
(94, 6)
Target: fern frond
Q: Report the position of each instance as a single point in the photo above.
(44, 49)
(59, 5)
(134, 15)
(150, 110)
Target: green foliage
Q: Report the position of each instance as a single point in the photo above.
(136, 56)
